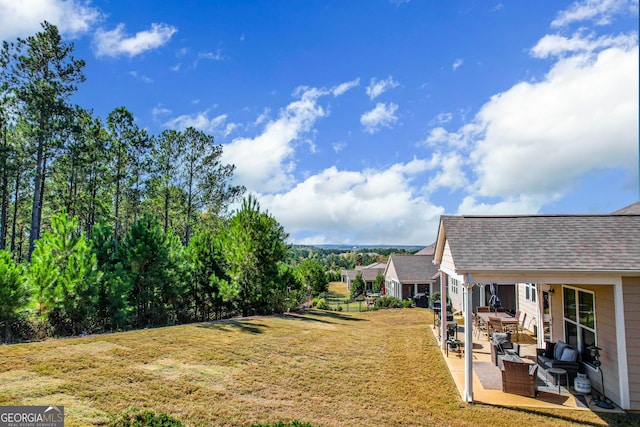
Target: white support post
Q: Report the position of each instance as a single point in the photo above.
(540, 317)
(482, 297)
(468, 345)
(621, 341)
(443, 310)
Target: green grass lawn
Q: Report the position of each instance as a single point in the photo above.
(379, 368)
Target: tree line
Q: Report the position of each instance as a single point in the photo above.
(104, 226)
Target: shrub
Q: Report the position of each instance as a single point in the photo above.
(387, 301)
(322, 304)
(407, 303)
(315, 301)
(339, 307)
(134, 417)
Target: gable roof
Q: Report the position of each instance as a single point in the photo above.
(603, 243)
(632, 209)
(429, 250)
(414, 268)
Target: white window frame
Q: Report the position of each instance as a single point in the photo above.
(453, 285)
(577, 323)
(530, 292)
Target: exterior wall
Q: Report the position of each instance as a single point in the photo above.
(455, 296)
(447, 259)
(393, 286)
(526, 307)
(605, 336)
(631, 292)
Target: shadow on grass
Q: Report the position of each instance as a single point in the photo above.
(331, 315)
(609, 418)
(233, 324)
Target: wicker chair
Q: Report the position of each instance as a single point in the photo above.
(519, 378)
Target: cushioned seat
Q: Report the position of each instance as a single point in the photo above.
(560, 355)
(500, 343)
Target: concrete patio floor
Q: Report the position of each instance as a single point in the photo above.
(548, 396)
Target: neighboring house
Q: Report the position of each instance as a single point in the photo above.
(369, 274)
(407, 275)
(587, 267)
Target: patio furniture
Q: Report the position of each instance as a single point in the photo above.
(558, 372)
(501, 344)
(483, 309)
(519, 378)
(486, 318)
(455, 345)
(559, 355)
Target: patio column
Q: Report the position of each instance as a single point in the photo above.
(540, 316)
(482, 297)
(468, 345)
(443, 310)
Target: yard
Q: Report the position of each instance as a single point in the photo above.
(378, 368)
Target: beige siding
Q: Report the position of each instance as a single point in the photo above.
(447, 258)
(631, 295)
(605, 335)
(526, 306)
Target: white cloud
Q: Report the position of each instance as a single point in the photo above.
(343, 87)
(457, 63)
(557, 45)
(338, 146)
(265, 163)
(451, 174)
(382, 115)
(23, 18)
(116, 42)
(367, 207)
(142, 77)
(600, 12)
(378, 87)
(539, 138)
(201, 121)
(159, 111)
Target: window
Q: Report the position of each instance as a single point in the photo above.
(453, 285)
(530, 292)
(579, 320)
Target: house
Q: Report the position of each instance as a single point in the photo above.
(407, 275)
(369, 274)
(586, 270)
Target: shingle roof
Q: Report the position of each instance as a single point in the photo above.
(414, 268)
(544, 242)
(633, 209)
(429, 250)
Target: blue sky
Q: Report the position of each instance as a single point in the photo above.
(361, 122)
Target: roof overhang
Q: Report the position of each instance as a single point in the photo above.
(545, 276)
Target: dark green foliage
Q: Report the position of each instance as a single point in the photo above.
(378, 283)
(13, 293)
(314, 276)
(138, 418)
(154, 266)
(387, 302)
(63, 275)
(254, 246)
(357, 286)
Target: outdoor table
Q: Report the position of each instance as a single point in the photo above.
(558, 372)
(506, 318)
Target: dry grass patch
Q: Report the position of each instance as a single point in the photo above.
(327, 368)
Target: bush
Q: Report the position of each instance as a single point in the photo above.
(339, 307)
(137, 418)
(315, 301)
(387, 301)
(407, 303)
(322, 304)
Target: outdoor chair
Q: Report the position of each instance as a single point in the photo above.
(500, 344)
(495, 325)
(483, 309)
(519, 378)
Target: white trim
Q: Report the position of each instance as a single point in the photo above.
(621, 341)
(453, 274)
(576, 322)
(468, 344)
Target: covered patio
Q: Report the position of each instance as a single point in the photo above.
(588, 266)
(487, 378)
